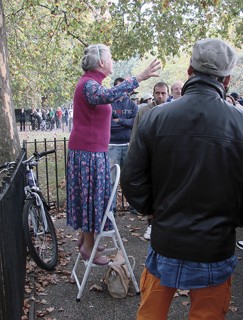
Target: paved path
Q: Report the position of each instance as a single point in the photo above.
(58, 300)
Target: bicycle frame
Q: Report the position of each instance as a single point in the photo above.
(39, 230)
(39, 203)
(32, 190)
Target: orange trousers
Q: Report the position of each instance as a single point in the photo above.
(206, 303)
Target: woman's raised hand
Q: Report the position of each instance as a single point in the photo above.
(150, 71)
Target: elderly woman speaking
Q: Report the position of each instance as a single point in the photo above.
(88, 169)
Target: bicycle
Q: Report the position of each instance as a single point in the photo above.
(33, 126)
(38, 228)
(48, 125)
(45, 125)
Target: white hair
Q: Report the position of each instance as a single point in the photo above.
(92, 55)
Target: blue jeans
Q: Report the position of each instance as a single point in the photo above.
(117, 155)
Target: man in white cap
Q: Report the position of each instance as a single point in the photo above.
(147, 98)
(185, 163)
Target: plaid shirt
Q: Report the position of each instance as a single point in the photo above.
(186, 275)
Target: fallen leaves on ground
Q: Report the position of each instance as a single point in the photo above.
(233, 308)
(95, 287)
(184, 293)
(37, 279)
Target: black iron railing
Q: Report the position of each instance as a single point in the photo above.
(51, 172)
(12, 247)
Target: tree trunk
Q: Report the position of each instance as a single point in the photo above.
(9, 139)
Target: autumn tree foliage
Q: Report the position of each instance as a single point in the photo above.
(46, 37)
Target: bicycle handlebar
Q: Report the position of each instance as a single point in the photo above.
(38, 155)
(44, 153)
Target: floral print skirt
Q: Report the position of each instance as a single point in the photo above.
(88, 189)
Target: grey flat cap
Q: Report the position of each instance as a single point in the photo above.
(214, 57)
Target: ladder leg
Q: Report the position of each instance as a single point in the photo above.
(75, 265)
(134, 281)
(88, 267)
(85, 277)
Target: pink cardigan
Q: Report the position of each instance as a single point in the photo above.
(91, 124)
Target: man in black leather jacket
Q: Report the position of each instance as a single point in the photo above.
(185, 164)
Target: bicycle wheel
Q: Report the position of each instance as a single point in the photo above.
(42, 244)
(48, 126)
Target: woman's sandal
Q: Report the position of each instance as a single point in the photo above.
(81, 241)
(100, 260)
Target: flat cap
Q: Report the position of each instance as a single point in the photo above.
(147, 96)
(213, 57)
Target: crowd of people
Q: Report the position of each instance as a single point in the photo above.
(44, 119)
(180, 154)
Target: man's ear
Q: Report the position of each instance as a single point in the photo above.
(190, 71)
(226, 81)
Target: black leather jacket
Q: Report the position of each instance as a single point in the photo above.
(186, 166)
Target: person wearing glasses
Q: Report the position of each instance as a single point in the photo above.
(176, 88)
(88, 168)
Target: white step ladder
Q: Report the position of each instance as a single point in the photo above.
(116, 240)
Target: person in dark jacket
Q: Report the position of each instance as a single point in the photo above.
(185, 165)
(22, 120)
(124, 111)
(33, 119)
(161, 93)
